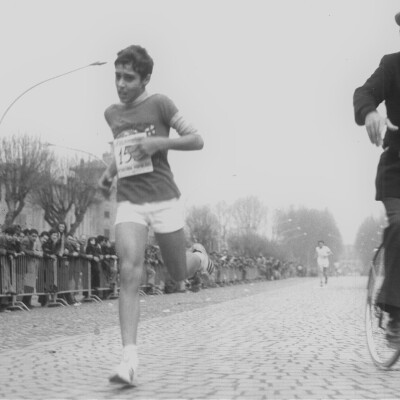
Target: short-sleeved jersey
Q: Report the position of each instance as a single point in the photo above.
(323, 254)
(154, 116)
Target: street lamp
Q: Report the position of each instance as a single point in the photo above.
(290, 238)
(97, 63)
(77, 150)
(106, 194)
(286, 231)
(334, 236)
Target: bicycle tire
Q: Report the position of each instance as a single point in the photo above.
(383, 355)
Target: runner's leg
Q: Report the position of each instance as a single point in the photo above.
(181, 264)
(131, 239)
(320, 275)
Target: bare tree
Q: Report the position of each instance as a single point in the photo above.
(23, 162)
(57, 196)
(249, 214)
(86, 176)
(224, 217)
(203, 226)
(368, 238)
(298, 231)
(70, 187)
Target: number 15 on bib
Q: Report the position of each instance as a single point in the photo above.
(126, 165)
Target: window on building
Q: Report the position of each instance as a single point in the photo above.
(107, 233)
(106, 214)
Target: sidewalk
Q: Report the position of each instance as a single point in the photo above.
(292, 341)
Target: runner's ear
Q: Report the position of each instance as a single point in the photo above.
(146, 80)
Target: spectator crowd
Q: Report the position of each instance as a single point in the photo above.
(58, 244)
(54, 244)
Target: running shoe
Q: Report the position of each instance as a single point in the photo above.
(207, 266)
(125, 372)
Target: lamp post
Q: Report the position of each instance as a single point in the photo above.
(97, 63)
(331, 235)
(291, 230)
(290, 238)
(77, 150)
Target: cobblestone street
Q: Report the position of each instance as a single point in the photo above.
(269, 340)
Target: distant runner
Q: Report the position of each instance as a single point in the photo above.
(322, 254)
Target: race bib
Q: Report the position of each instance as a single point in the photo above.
(126, 165)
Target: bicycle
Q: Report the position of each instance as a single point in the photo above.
(383, 355)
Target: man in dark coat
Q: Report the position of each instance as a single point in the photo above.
(384, 86)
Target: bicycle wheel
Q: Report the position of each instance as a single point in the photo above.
(376, 320)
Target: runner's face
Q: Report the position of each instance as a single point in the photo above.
(129, 83)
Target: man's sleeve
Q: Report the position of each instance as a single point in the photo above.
(108, 115)
(173, 118)
(181, 125)
(25, 246)
(374, 91)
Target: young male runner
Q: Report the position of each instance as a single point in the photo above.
(147, 194)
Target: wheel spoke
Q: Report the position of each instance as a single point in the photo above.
(376, 320)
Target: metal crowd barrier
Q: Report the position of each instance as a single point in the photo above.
(108, 278)
(53, 278)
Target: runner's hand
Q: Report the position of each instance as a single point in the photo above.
(376, 127)
(104, 184)
(147, 147)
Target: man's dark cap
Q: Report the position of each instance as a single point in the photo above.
(397, 18)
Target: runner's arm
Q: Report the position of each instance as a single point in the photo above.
(188, 140)
(106, 178)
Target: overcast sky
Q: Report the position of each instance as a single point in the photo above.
(268, 83)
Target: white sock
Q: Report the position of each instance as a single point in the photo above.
(130, 352)
(202, 258)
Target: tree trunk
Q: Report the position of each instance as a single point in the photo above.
(14, 209)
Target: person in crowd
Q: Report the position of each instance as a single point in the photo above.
(31, 244)
(52, 246)
(11, 249)
(72, 247)
(300, 270)
(107, 264)
(17, 238)
(71, 251)
(93, 252)
(44, 237)
(10, 244)
(55, 249)
(32, 247)
(62, 236)
(82, 241)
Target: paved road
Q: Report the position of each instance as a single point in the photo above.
(274, 340)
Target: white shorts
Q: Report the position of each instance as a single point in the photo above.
(162, 217)
(323, 263)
